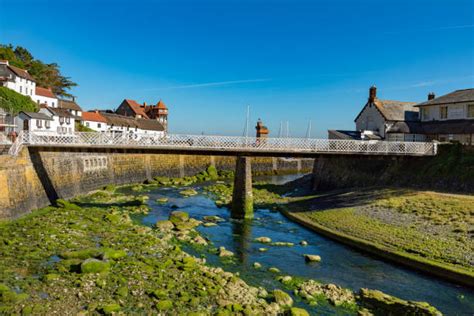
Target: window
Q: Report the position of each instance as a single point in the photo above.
(52, 104)
(61, 120)
(87, 124)
(98, 125)
(68, 120)
(470, 110)
(39, 123)
(443, 112)
(425, 113)
(47, 124)
(26, 90)
(21, 89)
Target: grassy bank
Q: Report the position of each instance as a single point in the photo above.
(425, 230)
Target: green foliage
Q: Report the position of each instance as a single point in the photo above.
(46, 75)
(13, 102)
(82, 128)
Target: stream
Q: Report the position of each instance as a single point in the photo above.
(340, 264)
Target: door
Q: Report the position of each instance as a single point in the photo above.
(26, 125)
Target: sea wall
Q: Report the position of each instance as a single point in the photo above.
(36, 177)
(452, 170)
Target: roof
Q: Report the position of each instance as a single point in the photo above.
(69, 104)
(45, 92)
(63, 113)
(161, 105)
(93, 117)
(20, 72)
(393, 110)
(448, 127)
(405, 128)
(345, 134)
(36, 115)
(121, 120)
(464, 95)
(136, 108)
(151, 125)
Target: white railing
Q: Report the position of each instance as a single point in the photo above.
(223, 143)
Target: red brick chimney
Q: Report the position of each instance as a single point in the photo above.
(431, 96)
(372, 93)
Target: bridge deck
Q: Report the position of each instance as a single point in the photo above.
(221, 145)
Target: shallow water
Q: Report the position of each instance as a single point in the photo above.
(340, 264)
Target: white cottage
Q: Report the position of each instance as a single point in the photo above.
(94, 120)
(45, 96)
(35, 122)
(16, 79)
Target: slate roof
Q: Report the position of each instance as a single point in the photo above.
(405, 128)
(464, 95)
(69, 104)
(394, 110)
(341, 134)
(64, 113)
(151, 125)
(36, 115)
(21, 72)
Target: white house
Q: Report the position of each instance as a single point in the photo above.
(71, 106)
(45, 96)
(94, 120)
(449, 117)
(63, 121)
(16, 79)
(389, 120)
(35, 122)
(130, 125)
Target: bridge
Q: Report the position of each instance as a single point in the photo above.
(241, 147)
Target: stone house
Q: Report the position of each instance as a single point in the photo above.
(449, 117)
(388, 120)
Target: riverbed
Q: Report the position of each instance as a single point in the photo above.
(340, 264)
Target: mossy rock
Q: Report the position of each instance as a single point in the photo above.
(177, 217)
(162, 200)
(296, 311)
(113, 254)
(164, 305)
(92, 265)
(188, 192)
(67, 205)
(81, 254)
(110, 308)
(164, 225)
(274, 270)
(51, 277)
(282, 298)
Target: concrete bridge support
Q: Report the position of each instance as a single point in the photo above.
(242, 196)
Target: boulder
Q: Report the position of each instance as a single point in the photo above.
(199, 240)
(303, 243)
(263, 240)
(92, 265)
(164, 225)
(296, 311)
(282, 298)
(188, 192)
(162, 200)
(274, 270)
(312, 258)
(257, 265)
(113, 254)
(177, 217)
(224, 252)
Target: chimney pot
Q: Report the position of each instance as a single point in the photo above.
(372, 93)
(431, 96)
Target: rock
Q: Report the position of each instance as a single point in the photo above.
(92, 265)
(188, 192)
(178, 217)
(283, 244)
(50, 277)
(285, 279)
(303, 243)
(295, 311)
(263, 240)
(209, 224)
(381, 303)
(110, 308)
(164, 305)
(257, 265)
(213, 219)
(164, 225)
(274, 270)
(312, 258)
(162, 200)
(282, 298)
(336, 295)
(262, 249)
(113, 254)
(224, 252)
(200, 240)
(262, 292)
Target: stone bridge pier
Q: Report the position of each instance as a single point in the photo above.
(242, 196)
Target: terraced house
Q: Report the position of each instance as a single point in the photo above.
(449, 117)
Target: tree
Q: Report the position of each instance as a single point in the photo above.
(46, 75)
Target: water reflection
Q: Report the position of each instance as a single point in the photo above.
(241, 237)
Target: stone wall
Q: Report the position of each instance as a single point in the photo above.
(36, 176)
(452, 170)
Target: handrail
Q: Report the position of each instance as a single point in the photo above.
(222, 143)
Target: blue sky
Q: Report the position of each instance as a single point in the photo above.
(289, 60)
